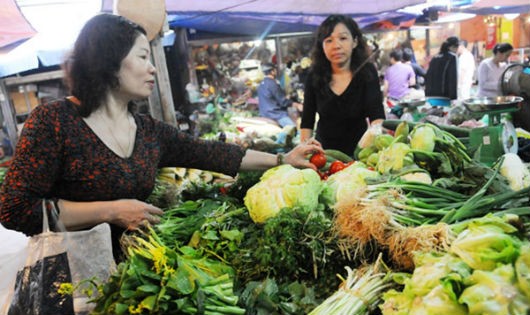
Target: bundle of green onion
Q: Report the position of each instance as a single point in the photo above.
(359, 293)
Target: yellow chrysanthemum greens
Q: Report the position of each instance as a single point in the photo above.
(66, 289)
(156, 252)
(136, 309)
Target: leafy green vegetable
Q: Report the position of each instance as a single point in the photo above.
(158, 280)
(283, 187)
(522, 269)
(487, 242)
(346, 182)
(493, 292)
(269, 298)
(423, 137)
(432, 270)
(394, 157)
(437, 302)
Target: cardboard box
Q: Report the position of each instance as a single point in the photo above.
(23, 102)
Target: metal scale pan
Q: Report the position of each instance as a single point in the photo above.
(493, 104)
(499, 136)
(411, 103)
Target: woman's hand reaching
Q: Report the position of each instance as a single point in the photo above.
(132, 214)
(297, 157)
(127, 213)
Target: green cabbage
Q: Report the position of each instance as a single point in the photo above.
(396, 303)
(432, 270)
(394, 157)
(344, 183)
(522, 269)
(493, 292)
(423, 138)
(487, 242)
(283, 187)
(437, 302)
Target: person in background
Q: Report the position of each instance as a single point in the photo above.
(399, 78)
(97, 159)
(342, 87)
(272, 102)
(418, 70)
(466, 70)
(441, 78)
(490, 71)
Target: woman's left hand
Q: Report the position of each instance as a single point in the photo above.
(297, 157)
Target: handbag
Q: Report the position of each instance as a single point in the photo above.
(56, 258)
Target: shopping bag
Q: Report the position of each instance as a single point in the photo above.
(12, 258)
(56, 258)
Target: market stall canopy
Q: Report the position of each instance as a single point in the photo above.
(306, 7)
(13, 25)
(487, 7)
(56, 25)
(269, 17)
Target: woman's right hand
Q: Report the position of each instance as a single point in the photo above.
(132, 214)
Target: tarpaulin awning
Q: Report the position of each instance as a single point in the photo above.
(57, 23)
(269, 17)
(13, 25)
(296, 7)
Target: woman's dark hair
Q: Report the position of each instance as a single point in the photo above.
(407, 54)
(397, 54)
(452, 41)
(502, 48)
(91, 69)
(321, 65)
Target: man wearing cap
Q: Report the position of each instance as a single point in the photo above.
(272, 101)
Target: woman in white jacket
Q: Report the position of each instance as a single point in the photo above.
(490, 71)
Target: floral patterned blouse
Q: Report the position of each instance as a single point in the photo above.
(59, 156)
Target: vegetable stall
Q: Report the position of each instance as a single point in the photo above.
(413, 225)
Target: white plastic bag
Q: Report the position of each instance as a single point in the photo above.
(55, 258)
(12, 258)
(369, 135)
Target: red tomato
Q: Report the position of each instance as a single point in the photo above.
(350, 163)
(336, 166)
(323, 175)
(318, 159)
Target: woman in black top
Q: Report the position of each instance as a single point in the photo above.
(343, 87)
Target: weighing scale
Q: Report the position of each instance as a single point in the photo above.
(499, 136)
(411, 106)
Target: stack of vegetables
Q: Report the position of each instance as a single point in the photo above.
(279, 241)
(485, 271)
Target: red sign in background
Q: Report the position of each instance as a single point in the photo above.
(491, 36)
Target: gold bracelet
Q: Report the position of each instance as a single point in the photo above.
(279, 159)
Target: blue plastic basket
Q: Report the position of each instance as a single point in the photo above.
(438, 101)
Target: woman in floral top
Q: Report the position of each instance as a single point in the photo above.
(96, 159)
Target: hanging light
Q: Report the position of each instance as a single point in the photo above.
(490, 20)
(454, 17)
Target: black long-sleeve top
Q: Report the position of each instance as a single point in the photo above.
(342, 118)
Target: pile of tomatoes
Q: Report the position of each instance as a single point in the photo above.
(321, 162)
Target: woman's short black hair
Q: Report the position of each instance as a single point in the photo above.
(321, 65)
(92, 67)
(397, 54)
(502, 48)
(407, 54)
